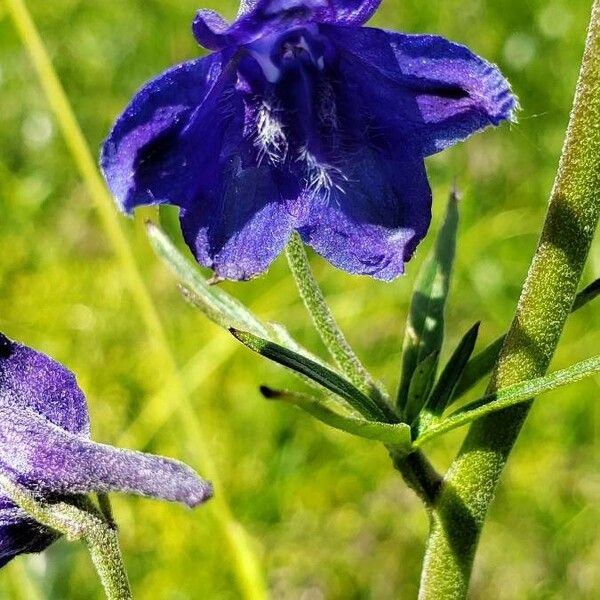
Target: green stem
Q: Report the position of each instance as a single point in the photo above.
(103, 544)
(548, 294)
(328, 329)
(77, 518)
(418, 473)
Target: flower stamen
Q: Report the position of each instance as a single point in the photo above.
(270, 137)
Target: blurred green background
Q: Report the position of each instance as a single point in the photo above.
(328, 516)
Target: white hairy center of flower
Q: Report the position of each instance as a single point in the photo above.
(320, 177)
(270, 139)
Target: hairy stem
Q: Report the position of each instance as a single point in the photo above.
(419, 474)
(326, 326)
(546, 300)
(77, 518)
(103, 544)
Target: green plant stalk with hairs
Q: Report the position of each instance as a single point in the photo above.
(459, 509)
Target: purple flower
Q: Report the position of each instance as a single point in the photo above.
(45, 447)
(303, 120)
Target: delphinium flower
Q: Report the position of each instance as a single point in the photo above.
(45, 447)
(301, 119)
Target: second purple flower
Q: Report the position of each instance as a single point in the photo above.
(301, 119)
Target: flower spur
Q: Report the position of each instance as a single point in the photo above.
(45, 447)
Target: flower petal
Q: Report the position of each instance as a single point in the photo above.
(21, 535)
(435, 92)
(375, 224)
(241, 230)
(32, 380)
(262, 17)
(149, 156)
(45, 458)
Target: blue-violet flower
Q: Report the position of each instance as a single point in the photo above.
(301, 119)
(45, 447)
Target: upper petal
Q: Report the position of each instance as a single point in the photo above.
(373, 226)
(258, 18)
(43, 457)
(32, 380)
(149, 156)
(436, 93)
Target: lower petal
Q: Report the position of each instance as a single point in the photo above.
(19, 534)
(375, 224)
(240, 231)
(47, 459)
(24, 537)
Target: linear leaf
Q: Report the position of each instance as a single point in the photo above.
(509, 396)
(322, 375)
(586, 295)
(424, 332)
(442, 392)
(483, 363)
(388, 433)
(420, 386)
(281, 335)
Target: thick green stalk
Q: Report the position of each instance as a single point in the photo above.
(468, 489)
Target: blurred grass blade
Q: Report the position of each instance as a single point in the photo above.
(511, 395)
(420, 386)
(329, 331)
(315, 371)
(245, 563)
(217, 304)
(444, 388)
(424, 332)
(388, 433)
(482, 364)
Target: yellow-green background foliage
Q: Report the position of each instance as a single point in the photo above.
(328, 516)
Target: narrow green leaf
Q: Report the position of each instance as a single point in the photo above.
(212, 310)
(388, 433)
(324, 321)
(217, 304)
(586, 295)
(478, 367)
(483, 363)
(282, 336)
(444, 388)
(424, 332)
(325, 377)
(511, 395)
(420, 386)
